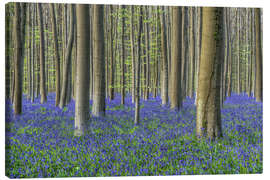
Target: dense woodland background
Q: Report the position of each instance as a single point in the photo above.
(93, 52)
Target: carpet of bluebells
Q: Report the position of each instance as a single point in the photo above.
(40, 142)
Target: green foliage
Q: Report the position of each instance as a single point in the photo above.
(65, 109)
(42, 110)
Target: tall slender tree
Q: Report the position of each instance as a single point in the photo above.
(82, 75)
(137, 95)
(56, 55)
(111, 80)
(18, 60)
(67, 63)
(164, 88)
(259, 82)
(132, 53)
(42, 56)
(175, 82)
(123, 56)
(98, 62)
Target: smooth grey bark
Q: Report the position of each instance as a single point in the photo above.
(18, 60)
(42, 56)
(56, 54)
(175, 77)
(238, 53)
(208, 120)
(259, 82)
(29, 53)
(192, 51)
(251, 52)
(67, 63)
(132, 54)
(82, 75)
(184, 50)
(147, 50)
(137, 95)
(164, 88)
(98, 108)
(111, 77)
(8, 46)
(197, 49)
(123, 56)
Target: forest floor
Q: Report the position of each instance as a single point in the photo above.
(40, 142)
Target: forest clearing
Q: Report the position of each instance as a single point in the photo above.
(121, 90)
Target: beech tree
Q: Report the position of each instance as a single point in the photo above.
(164, 91)
(42, 58)
(56, 54)
(137, 92)
(259, 84)
(175, 82)
(18, 64)
(82, 77)
(98, 62)
(208, 105)
(67, 63)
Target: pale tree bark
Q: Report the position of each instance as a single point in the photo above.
(229, 51)
(132, 54)
(238, 53)
(8, 43)
(18, 60)
(147, 50)
(175, 77)
(123, 56)
(91, 90)
(208, 107)
(225, 57)
(197, 49)
(191, 52)
(98, 62)
(164, 88)
(259, 70)
(42, 57)
(251, 52)
(29, 52)
(33, 55)
(67, 63)
(82, 75)
(111, 80)
(137, 95)
(168, 20)
(184, 51)
(56, 55)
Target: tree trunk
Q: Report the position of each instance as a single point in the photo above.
(137, 95)
(175, 77)
(238, 53)
(111, 80)
(259, 82)
(18, 60)
(164, 88)
(123, 57)
(8, 43)
(208, 106)
(99, 62)
(29, 52)
(67, 63)
(56, 54)
(147, 50)
(191, 53)
(82, 75)
(132, 55)
(42, 57)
